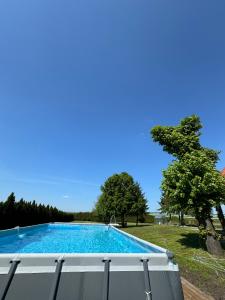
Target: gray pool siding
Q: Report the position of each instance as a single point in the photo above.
(89, 286)
(82, 276)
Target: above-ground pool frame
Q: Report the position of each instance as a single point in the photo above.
(56, 263)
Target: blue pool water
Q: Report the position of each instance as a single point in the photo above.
(63, 238)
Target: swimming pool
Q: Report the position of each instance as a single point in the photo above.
(61, 261)
(65, 238)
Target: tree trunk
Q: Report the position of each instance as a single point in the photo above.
(182, 223)
(212, 243)
(168, 219)
(221, 216)
(209, 234)
(181, 218)
(137, 220)
(122, 221)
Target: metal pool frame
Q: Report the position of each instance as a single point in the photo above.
(94, 276)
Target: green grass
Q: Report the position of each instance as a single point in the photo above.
(196, 265)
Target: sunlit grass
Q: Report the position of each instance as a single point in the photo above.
(204, 270)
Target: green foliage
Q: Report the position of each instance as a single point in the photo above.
(183, 138)
(174, 219)
(23, 213)
(93, 217)
(191, 182)
(177, 140)
(121, 196)
(149, 218)
(86, 216)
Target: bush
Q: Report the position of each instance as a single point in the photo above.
(22, 213)
(187, 221)
(191, 222)
(86, 216)
(149, 219)
(93, 217)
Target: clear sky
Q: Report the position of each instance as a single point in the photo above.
(82, 82)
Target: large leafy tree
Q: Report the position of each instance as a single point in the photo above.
(139, 207)
(183, 138)
(191, 182)
(121, 196)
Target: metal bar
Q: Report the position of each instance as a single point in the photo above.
(55, 286)
(105, 294)
(9, 278)
(148, 290)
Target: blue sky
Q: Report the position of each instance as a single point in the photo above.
(82, 82)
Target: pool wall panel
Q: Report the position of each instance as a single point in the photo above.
(88, 285)
(82, 274)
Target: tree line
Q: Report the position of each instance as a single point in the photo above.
(23, 213)
(94, 217)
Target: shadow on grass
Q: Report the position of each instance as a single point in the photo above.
(192, 240)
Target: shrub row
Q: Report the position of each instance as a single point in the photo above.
(23, 213)
(86, 216)
(93, 217)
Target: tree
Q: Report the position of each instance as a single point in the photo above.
(9, 210)
(22, 213)
(121, 196)
(194, 184)
(220, 211)
(140, 206)
(191, 182)
(167, 207)
(183, 138)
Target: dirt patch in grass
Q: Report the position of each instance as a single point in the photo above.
(212, 287)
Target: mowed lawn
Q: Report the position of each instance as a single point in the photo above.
(196, 265)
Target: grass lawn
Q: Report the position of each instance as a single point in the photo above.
(196, 265)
